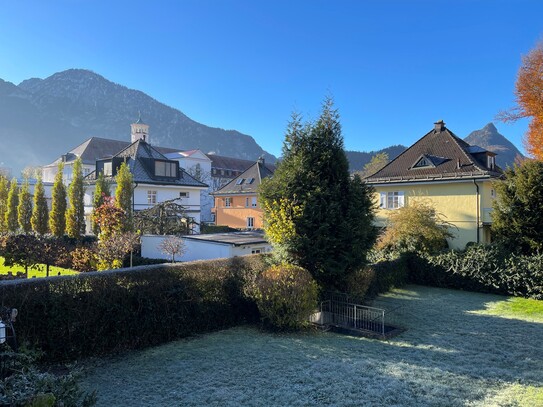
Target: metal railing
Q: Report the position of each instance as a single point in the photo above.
(352, 316)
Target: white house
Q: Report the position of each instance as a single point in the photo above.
(211, 246)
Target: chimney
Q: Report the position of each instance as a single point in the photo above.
(439, 126)
(261, 160)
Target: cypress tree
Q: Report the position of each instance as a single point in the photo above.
(123, 194)
(75, 216)
(24, 208)
(4, 188)
(12, 224)
(319, 217)
(57, 216)
(40, 212)
(101, 190)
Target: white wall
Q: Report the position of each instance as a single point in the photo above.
(198, 249)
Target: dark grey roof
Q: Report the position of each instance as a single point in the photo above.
(450, 156)
(248, 182)
(233, 164)
(232, 238)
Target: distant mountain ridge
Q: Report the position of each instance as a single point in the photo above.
(489, 138)
(43, 118)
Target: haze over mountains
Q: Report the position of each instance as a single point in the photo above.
(40, 119)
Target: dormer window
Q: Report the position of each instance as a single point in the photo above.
(108, 169)
(166, 169)
(240, 181)
(250, 180)
(423, 162)
(490, 161)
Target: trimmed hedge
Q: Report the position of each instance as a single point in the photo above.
(94, 313)
(481, 268)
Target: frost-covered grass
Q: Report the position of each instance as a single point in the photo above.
(458, 351)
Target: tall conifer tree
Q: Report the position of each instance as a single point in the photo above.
(24, 208)
(123, 194)
(40, 212)
(4, 189)
(57, 216)
(75, 216)
(102, 189)
(12, 224)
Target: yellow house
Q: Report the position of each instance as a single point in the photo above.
(445, 171)
(236, 204)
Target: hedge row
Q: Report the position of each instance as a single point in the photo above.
(480, 268)
(99, 312)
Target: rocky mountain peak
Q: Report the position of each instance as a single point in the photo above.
(488, 137)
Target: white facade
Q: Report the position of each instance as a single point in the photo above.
(49, 172)
(201, 249)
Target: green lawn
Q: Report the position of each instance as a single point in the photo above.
(39, 272)
(460, 349)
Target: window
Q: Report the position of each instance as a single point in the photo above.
(228, 202)
(490, 161)
(240, 181)
(108, 169)
(391, 200)
(165, 169)
(253, 201)
(250, 180)
(86, 171)
(151, 197)
(183, 194)
(493, 193)
(423, 162)
(247, 202)
(250, 223)
(256, 251)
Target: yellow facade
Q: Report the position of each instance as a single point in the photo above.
(237, 212)
(465, 204)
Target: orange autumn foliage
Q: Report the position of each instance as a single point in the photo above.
(529, 98)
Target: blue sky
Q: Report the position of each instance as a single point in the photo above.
(393, 67)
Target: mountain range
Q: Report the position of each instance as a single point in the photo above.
(40, 119)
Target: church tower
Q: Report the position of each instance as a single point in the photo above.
(140, 130)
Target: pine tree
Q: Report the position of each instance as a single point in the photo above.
(57, 216)
(4, 188)
(12, 225)
(320, 219)
(101, 190)
(24, 208)
(40, 212)
(123, 195)
(75, 216)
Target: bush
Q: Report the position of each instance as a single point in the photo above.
(95, 313)
(286, 295)
(481, 268)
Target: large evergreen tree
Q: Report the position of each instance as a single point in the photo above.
(315, 214)
(517, 218)
(4, 189)
(40, 212)
(75, 216)
(102, 189)
(123, 195)
(10, 217)
(24, 208)
(57, 216)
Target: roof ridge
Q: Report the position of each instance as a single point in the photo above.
(456, 139)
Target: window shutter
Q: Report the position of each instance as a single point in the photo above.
(400, 199)
(383, 202)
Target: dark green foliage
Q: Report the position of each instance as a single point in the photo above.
(25, 385)
(285, 295)
(517, 219)
(315, 215)
(57, 216)
(12, 224)
(205, 229)
(102, 189)
(95, 313)
(123, 195)
(75, 215)
(481, 268)
(164, 218)
(22, 250)
(24, 208)
(4, 188)
(40, 212)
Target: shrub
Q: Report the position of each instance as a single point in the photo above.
(95, 313)
(84, 258)
(286, 295)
